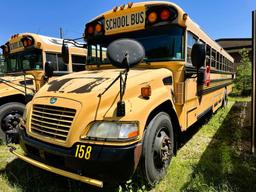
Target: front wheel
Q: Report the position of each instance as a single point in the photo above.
(158, 148)
(9, 121)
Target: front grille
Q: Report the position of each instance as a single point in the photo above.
(52, 121)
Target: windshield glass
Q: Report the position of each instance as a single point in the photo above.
(160, 44)
(24, 61)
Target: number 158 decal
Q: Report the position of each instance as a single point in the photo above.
(83, 152)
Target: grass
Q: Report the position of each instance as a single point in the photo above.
(214, 155)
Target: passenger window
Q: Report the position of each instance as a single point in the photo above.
(213, 58)
(57, 61)
(208, 55)
(78, 63)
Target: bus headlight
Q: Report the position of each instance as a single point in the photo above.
(112, 131)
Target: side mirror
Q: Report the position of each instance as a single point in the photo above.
(125, 53)
(198, 55)
(48, 69)
(65, 53)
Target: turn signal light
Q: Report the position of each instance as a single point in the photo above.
(98, 28)
(27, 41)
(146, 92)
(165, 15)
(90, 30)
(133, 134)
(160, 15)
(152, 17)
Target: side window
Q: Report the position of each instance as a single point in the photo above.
(26, 65)
(53, 59)
(78, 63)
(191, 40)
(208, 55)
(213, 58)
(57, 62)
(222, 63)
(61, 65)
(12, 65)
(218, 60)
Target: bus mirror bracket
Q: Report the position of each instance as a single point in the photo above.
(65, 53)
(198, 55)
(124, 54)
(48, 70)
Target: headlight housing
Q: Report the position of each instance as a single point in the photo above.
(103, 130)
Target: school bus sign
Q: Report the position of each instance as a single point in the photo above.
(124, 22)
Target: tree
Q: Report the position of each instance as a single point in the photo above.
(243, 81)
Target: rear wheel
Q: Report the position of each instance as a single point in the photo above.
(158, 147)
(9, 121)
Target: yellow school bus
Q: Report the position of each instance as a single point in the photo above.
(25, 57)
(107, 123)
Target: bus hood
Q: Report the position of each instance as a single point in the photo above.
(93, 89)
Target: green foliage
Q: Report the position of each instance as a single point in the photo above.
(243, 81)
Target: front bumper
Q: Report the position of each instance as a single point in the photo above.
(64, 173)
(107, 163)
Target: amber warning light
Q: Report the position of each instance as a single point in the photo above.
(146, 92)
(27, 41)
(160, 14)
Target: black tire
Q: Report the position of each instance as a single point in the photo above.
(159, 135)
(9, 119)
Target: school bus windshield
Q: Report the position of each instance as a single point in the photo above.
(24, 61)
(160, 44)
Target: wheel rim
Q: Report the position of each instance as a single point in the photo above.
(162, 150)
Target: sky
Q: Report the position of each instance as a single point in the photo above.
(218, 18)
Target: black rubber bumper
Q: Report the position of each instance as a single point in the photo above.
(107, 163)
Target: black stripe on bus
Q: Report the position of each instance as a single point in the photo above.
(209, 90)
(216, 81)
(191, 70)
